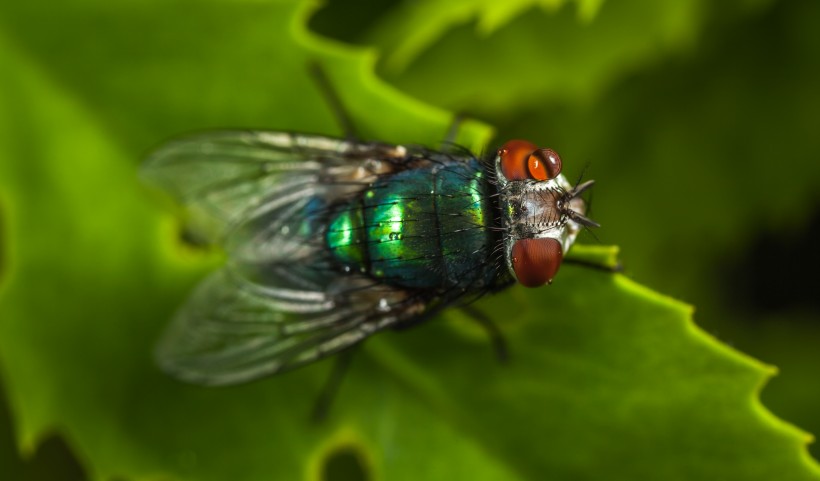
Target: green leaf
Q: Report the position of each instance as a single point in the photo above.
(539, 56)
(699, 157)
(413, 27)
(703, 145)
(698, 176)
(52, 461)
(606, 379)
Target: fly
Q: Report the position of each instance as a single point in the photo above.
(330, 241)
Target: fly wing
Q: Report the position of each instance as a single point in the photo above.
(227, 177)
(281, 301)
(232, 330)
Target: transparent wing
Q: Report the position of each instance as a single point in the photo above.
(281, 301)
(227, 177)
(232, 331)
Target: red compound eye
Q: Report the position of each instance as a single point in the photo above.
(521, 160)
(514, 156)
(544, 164)
(536, 261)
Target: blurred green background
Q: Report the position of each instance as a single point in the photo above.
(698, 120)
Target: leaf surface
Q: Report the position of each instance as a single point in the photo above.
(606, 377)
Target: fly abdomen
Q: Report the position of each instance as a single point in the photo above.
(420, 228)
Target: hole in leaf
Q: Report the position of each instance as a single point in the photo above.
(778, 272)
(345, 464)
(192, 239)
(52, 460)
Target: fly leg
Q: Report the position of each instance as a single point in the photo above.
(496, 336)
(333, 100)
(598, 266)
(452, 131)
(331, 387)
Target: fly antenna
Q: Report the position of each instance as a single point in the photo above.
(581, 219)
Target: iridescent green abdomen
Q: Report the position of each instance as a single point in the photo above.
(421, 228)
